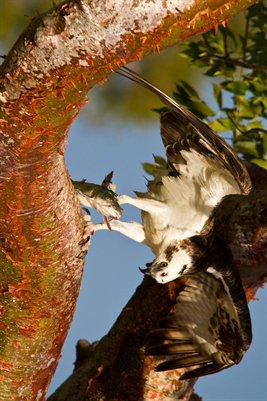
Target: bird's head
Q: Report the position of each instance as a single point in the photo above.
(175, 261)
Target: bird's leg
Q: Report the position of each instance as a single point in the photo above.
(130, 229)
(146, 204)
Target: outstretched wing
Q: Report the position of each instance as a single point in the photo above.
(208, 330)
(183, 132)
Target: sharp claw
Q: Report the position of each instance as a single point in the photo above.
(106, 220)
(87, 211)
(84, 241)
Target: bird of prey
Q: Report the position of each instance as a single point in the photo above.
(209, 328)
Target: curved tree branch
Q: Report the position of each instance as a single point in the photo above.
(43, 85)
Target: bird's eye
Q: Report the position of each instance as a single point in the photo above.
(163, 264)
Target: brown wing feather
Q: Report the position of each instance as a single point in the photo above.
(181, 129)
(207, 327)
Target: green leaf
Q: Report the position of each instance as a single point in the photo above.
(149, 168)
(160, 160)
(217, 94)
(222, 125)
(190, 90)
(245, 108)
(263, 102)
(247, 148)
(257, 85)
(220, 68)
(264, 145)
(187, 96)
(232, 36)
(201, 109)
(256, 105)
(254, 124)
(236, 87)
(182, 95)
(260, 162)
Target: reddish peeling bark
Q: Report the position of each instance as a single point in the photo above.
(43, 84)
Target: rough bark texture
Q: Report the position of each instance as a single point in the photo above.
(43, 85)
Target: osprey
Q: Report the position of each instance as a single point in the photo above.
(209, 328)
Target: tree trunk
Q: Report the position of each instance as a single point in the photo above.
(44, 82)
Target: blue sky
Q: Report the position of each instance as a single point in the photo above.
(111, 272)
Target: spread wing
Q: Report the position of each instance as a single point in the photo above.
(190, 143)
(208, 330)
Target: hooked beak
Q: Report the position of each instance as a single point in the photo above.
(147, 269)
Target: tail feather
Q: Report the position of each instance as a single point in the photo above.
(203, 371)
(183, 362)
(172, 348)
(169, 334)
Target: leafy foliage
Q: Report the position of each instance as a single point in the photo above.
(236, 58)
